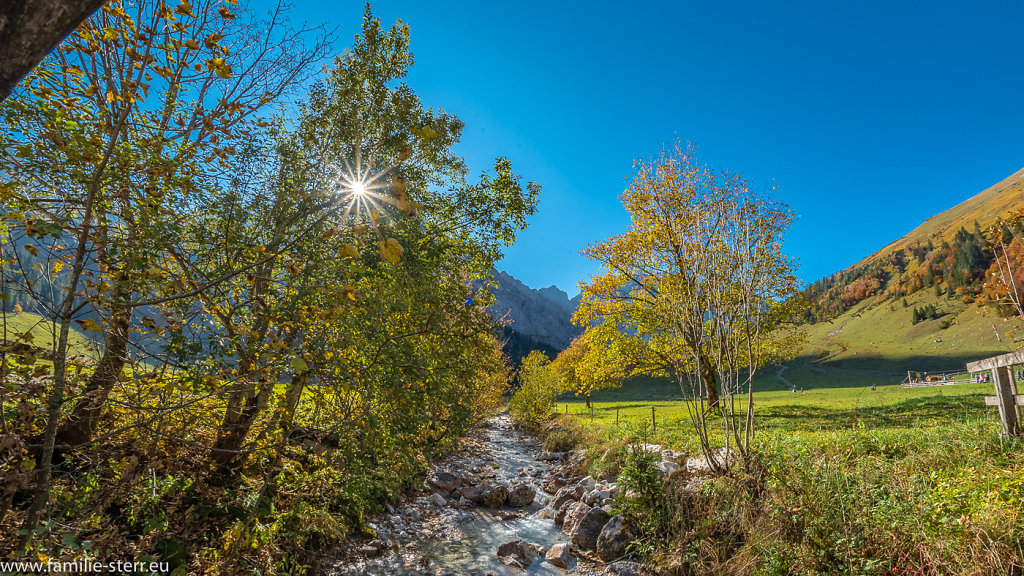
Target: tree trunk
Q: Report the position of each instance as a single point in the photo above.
(30, 29)
(81, 425)
(237, 423)
(710, 379)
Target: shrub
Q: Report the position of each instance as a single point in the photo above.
(539, 386)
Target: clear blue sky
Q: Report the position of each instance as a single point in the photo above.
(868, 116)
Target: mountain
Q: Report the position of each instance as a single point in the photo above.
(925, 302)
(951, 252)
(983, 208)
(540, 315)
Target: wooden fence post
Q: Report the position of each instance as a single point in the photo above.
(654, 422)
(1006, 401)
(616, 417)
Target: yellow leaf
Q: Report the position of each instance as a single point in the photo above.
(391, 250)
(350, 251)
(192, 44)
(90, 325)
(212, 40)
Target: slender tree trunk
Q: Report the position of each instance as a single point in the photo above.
(55, 400)
(81, 425)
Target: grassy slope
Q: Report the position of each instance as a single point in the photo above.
(44, 333)
(982, 208)
(878, 344)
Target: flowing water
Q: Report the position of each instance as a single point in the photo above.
(464, 540)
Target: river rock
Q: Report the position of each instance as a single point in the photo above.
(552, 485)
(551, 456)
(437, 500)
(596, 497)
(518, 553)
(442, 482)
(495, 496)
(368, 551)
(588, 484)
(562, 511)
(472, 493)
(614, 538)
(573, 516)
(521, 495)
(560, 555)
(566, 494)
(589, 528)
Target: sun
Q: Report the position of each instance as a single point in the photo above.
(359, 189)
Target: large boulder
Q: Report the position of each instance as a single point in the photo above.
(495, 496)
(702, 465)
(518, 553)
(560, 555)
(677, 456)
(573, 516)
(521, 495)
(442, 482)
(665, 468)
(589, 528)
(566, 494)
(614, 538)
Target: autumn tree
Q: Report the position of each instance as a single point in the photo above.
(117, 135)
(369, 170)
(1006, 283)
(595, 360)
(697, 287)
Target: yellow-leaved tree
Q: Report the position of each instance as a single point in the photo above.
(595, 360)
(696, 290)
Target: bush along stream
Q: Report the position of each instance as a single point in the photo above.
(502, 505)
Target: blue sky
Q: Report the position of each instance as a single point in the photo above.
(867, 116)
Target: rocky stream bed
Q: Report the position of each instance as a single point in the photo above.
(501, 506)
